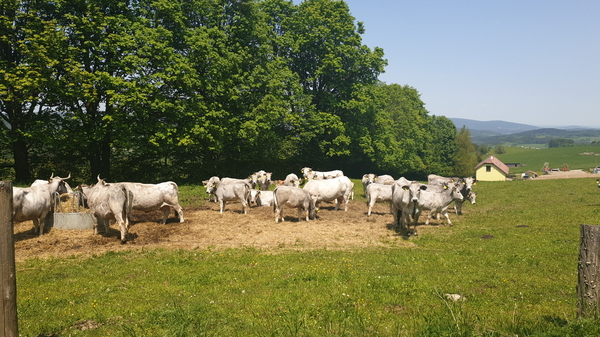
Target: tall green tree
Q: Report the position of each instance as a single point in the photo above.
(442, 150)
(399, 136)
(30, 46)
(333, 68)
(466, 158)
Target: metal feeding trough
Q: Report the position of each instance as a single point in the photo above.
(76, 219)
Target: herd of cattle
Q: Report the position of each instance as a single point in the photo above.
(408, 199)
(114, 202)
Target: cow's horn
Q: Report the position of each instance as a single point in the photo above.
(99, 180)
(68, 176)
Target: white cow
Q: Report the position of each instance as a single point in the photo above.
(109, 202)
(466, 190)
(371, 178)
(34, 203)
(466, 187)
(405, 202)
(230, 189)
(262, 179)
(293, 197)
(338, 189)
(377, 192)
(437, 201)
(311, 174)
(150, 197)
(261, 198)
(291, 180)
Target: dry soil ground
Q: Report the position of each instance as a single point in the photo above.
(205, 228)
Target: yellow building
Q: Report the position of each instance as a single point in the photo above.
(491, 169)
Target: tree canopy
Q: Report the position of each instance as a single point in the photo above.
(150, 90)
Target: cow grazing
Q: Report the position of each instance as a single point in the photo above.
(437, 201)
(293, 197)
(292, 180)
(150, 197)
(338, 189)
(405, 202)
(109, 202)
(35, 202)
(62, 190)
(311, 174)
(261, 198)
(230, 189)
(377, 192)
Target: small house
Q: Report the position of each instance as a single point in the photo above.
(491, 169)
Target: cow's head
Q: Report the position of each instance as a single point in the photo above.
(472, 195)
(468, 183)
(414, 190)
(455, 188)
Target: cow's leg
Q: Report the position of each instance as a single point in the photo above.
(221, 205)
(166, 210)
(36, 226)
(299, 214)
(123, 227)
(244, 206)
(458, 207)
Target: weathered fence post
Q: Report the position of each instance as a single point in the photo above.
(8, 280)
(588, 285)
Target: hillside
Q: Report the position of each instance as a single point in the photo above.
(492, 127)
(516, 134)
(538, 136)
(576, 157)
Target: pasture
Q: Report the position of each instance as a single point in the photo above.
(512, 256)
(534, 159)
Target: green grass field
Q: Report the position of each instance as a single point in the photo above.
(534, 159)
(513, 256)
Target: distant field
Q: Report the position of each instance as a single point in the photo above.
(534, 159)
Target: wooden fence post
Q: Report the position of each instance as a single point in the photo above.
(588, 285)
(8, 280)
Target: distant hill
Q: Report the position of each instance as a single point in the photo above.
(493, 127)
(515, 134)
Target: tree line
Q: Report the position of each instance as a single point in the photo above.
(152, 90)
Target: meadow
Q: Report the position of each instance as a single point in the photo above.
(534, 159)
(512, 258)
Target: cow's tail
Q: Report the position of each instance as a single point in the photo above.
(128, 205)
(275, 199)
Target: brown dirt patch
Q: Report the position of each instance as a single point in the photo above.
(567, 175)
(205, 228)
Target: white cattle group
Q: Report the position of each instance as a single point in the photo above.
(114, 202)
(408, 199)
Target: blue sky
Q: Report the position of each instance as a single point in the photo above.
(534, 62)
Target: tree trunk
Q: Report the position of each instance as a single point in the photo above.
(21, 157)
(588, 286)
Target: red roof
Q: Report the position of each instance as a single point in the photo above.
(494, 161)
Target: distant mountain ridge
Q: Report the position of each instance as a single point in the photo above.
(501, 132)
(496, 127)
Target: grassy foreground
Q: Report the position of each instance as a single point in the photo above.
(513, 256)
